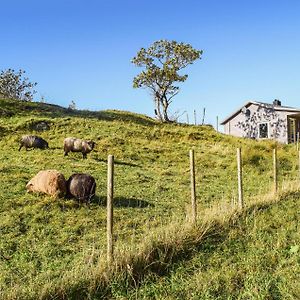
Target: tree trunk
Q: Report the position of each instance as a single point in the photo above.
(161, 107)
(165, 105)
(157, 102)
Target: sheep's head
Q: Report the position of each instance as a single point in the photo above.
(30, 186)
(91, 145)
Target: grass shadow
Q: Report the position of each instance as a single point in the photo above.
(118, 162)
(122, 202)
(131, 202)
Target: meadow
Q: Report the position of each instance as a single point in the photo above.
(55, 248)
(254, 258)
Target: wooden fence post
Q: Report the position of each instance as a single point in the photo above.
(217, 124)
(193, 186)
(275, 170)
(110, 197)
(195, 117)
(240, 178)
(203, 116)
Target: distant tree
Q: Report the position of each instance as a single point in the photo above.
(14, 85)
(43, 99)
(72, 105)
(162, 62)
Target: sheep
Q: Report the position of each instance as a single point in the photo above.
(50, 182)
(82, 187)
(33, 141)
(78, 145)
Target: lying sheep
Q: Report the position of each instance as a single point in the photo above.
(78, 145)
(82, 187)
(33, 141)
(49, 182)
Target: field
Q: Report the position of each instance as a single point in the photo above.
(254, 258)
(56, 248)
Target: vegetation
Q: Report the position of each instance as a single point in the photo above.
(162, 62)
(14, 85)
(56, 248)
(255, 257)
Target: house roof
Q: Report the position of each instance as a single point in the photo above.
(275, 107)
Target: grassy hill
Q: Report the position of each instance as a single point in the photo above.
(254, 258)
(56, 248)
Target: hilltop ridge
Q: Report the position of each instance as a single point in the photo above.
(11, 107)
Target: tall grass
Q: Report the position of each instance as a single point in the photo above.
(251, 255)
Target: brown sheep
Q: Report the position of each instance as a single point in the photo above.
(49, 182)
(78, 145)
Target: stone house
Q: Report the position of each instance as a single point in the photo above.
(258, 120)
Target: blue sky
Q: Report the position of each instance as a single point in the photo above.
(81, 51)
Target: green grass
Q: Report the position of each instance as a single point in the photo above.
(255, 257)
(54, 246)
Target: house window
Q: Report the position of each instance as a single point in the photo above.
(263, 130)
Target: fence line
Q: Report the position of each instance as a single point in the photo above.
(241, 204)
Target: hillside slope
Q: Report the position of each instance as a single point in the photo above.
(43, 240)
(257, 257)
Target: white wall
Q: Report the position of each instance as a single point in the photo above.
(247, 126)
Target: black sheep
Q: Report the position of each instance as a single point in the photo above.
(82, 187)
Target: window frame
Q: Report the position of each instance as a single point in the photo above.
(268, 130)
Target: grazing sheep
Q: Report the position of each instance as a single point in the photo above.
(33, 141)
(78, 145)
(49, 182)
(82, 187)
